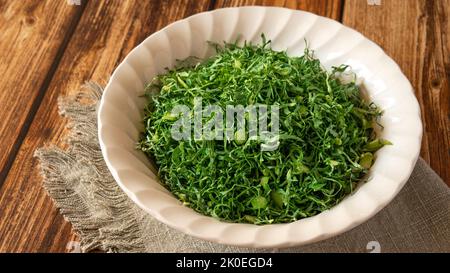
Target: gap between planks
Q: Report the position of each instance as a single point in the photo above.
(41, 93)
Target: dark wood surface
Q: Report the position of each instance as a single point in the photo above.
(49, 48)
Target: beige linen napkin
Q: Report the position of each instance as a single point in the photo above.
(78, 181)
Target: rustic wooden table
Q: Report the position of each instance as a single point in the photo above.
(50, 48)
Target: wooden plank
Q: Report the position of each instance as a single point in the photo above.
(108, 30)
(415, 34)
(33, 35)
(106, 34)
(328, 8)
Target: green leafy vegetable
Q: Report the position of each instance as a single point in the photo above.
(326, 136)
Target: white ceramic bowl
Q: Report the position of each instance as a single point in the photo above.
(121, 107)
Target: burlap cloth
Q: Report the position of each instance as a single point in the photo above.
(78, 181)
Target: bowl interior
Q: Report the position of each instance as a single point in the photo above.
(121, 113)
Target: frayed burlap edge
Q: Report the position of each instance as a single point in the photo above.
(69, 178)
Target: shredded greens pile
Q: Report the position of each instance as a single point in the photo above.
(327, 139)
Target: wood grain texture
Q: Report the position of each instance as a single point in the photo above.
(33, 35)
(413, 33)
(416, 35)
(328, 8)
(107, 31)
